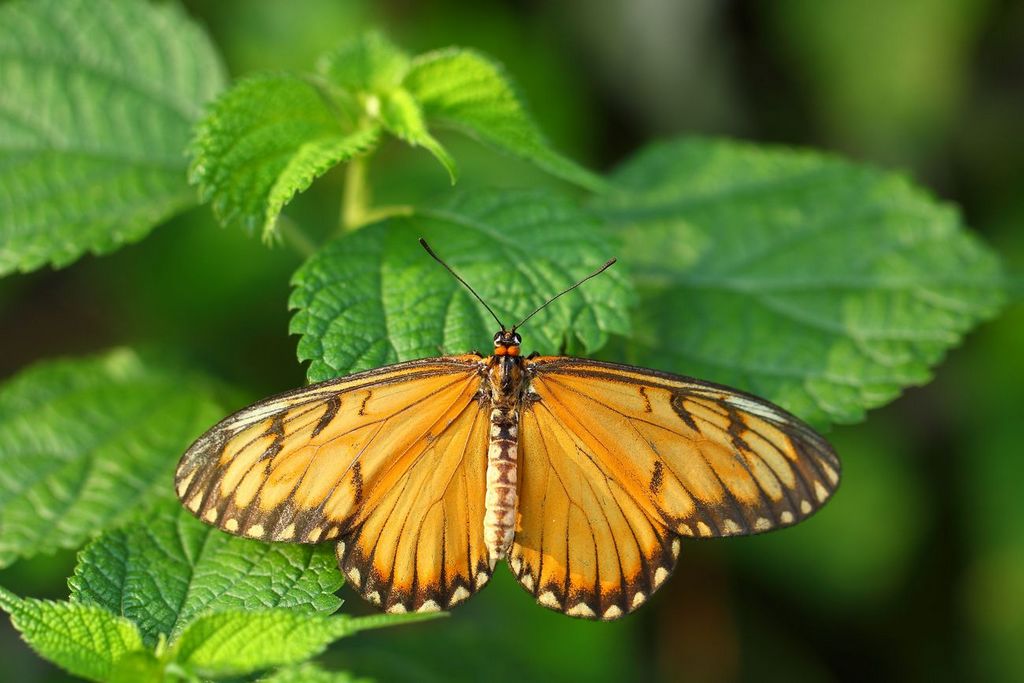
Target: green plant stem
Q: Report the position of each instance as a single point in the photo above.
(296, 238)
(355, 197)
(381, 212)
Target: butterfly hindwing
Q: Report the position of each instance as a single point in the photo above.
(420, 547)
(583, 544)
(645, 457)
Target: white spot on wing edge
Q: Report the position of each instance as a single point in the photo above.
(397, 608)
(729, 526)
(548, 599)
(638, 599)
(286, 533)
(516, 565)
(255, 531)
(762, 524)
(675, 548)
(660, 575)
(703, 529)
(429, 606)
(353, 575)
(231, 525)
(820, 491)
(612, 612)
(196, 501)
(183, 484)
(580, 609)
(786, 517)
(211, 515)
(527, 581)
(805, 506)
(458, 596)
(481, 579)
(374, 598)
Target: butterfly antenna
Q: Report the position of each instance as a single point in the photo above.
(597, 272)
(423, 243)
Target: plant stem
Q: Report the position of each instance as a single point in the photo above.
(381, 212)
(355, 198)
(295, 238)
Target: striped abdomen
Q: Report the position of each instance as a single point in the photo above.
(500, 502)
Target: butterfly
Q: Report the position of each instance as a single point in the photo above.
(582, 475)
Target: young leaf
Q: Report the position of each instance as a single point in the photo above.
(374, 297)
(819, 284)
(85, 444)
(96, 108)
(464, 90)
(164, 571)
(265, 140)
(369, 71)
(239, 642)
(84, 641)
(369, 64)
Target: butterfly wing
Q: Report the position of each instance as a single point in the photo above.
(390, 461)
(617, 462)
(420, 545)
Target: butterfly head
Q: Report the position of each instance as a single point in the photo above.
(507, 343)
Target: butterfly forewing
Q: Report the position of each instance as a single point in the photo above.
(638, 458)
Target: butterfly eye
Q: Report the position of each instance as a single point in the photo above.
(497, 338)
(516, 339)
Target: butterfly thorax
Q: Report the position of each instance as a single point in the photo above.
(505, 370)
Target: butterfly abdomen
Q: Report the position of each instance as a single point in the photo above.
(500, 501)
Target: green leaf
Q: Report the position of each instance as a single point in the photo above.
(822, 285)
(241, 642)
(84, 444)
(368, 64)
(85, 641)
(374, 297)
(96, 109)
(311, 673)
(164, 571)
(265, 140)
(464, 90)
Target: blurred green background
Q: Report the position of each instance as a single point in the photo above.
(914, 572)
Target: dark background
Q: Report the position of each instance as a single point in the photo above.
(914, 572)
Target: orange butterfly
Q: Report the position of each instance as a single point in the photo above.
(583, 475)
